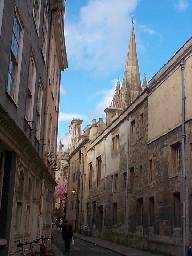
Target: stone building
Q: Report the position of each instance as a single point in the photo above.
(75, 173)
(26, 182)
(57, 61)
(134, 180)
(61, 177)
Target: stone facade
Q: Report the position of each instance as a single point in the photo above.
(26, 185)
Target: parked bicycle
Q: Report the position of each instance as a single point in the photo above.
(28, 248)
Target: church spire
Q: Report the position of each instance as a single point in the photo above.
(131, 74)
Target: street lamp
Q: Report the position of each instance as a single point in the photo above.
(73, 191)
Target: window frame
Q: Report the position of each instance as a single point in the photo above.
(15, 58)
(39, 110)
(99, 169)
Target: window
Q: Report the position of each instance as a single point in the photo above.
(1, 13)
(57, 90)
(141, 125)
(132, 177)
(151, 211)
(114, 213)
(115, 143)
(39, 110)
(90, 175)
(36, 13)
(141, 118)
(176, 157)
(140, 211)
(53, 75)
(176, 209)
(30, 92)
(133, 128)
(114, 182)
(50, 133)
(45, 33)
(99, 165)
(150, 170)
(15, 60)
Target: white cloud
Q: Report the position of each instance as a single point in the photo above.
(98, 40)
(106, 98)
(69, 116)
(147, 29)
(182, 4)
(62, 90)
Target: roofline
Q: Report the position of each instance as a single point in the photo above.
(171, 63)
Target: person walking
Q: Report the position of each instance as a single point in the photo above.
(67, 233)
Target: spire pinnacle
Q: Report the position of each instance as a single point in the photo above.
(145, 82)
(131, 74)
(133, 24)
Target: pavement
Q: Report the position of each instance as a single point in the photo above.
(86, 245)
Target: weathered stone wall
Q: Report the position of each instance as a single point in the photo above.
(27, 192)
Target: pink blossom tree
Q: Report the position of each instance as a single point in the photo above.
(60, 189)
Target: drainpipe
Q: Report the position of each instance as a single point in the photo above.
(184, 173)
(127, 180)
(103, 220)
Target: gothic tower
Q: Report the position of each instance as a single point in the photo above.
(131, 85)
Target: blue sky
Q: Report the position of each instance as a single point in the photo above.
(97, 35)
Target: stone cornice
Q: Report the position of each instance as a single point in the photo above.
(16, 140)
(58, 26)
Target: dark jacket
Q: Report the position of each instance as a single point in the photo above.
(67, 231)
